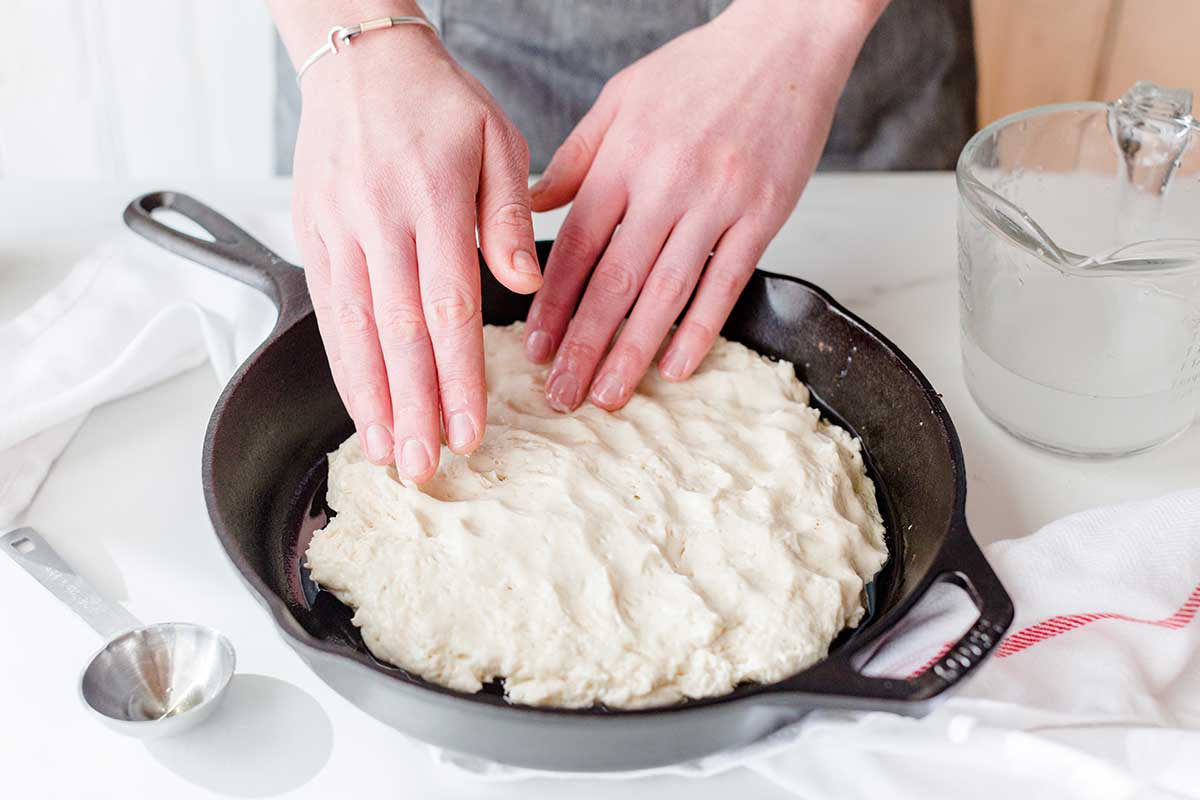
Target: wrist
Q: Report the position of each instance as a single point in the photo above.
(810, 41)
(304, 24)
(836, 27)
(403, 55)
(844, 15)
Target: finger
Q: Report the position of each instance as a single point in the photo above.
(505, 224)
(721, 284)
(449, 279)
(358, 347)
(571, 161)
(666, 291)
(407, 357)
(609, 296)
(582, 238)
(316, 274)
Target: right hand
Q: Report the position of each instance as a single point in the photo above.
(400, 153)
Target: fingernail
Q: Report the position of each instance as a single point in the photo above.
(461, 431)
(379, 443)
(609, 389)
(674, 366)
(563, 392)
(541, 185)
(525, 263)
(537, 346)
(414, 458)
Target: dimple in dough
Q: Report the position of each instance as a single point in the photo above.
(711, 532)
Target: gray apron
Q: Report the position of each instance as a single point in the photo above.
(909, 103)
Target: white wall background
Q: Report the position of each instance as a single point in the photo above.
(136, 89)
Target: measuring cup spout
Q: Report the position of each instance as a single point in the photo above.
(1010, 220)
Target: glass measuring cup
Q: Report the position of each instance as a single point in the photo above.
(1079, 272)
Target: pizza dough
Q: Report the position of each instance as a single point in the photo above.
(712, 532)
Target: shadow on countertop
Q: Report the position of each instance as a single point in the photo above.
(268, 737)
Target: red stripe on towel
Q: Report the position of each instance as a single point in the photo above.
(929, 664)
(1056, 626)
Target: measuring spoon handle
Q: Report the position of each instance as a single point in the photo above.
(37, 557)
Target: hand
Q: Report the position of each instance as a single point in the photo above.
(702, 147)
(399, 153)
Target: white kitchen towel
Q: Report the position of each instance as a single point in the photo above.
(1094, 692)
(124, 318)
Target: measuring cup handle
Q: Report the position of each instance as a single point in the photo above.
(37, 557)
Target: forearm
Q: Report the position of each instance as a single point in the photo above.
(304, 24)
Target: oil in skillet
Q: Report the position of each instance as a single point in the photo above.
(333, 618)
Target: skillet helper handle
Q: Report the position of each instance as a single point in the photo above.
(962, 563)
(38, 558)
(232, 252)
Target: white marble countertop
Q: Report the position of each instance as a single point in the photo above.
(124, 505)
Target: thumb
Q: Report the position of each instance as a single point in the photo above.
(505, 224)
(573, 158)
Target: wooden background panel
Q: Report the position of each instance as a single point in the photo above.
(1033, 52)
(1158, 40)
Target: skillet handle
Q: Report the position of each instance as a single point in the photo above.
(232, 252)
(963, 563)
(960, 562)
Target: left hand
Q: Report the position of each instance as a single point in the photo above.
(701, 147)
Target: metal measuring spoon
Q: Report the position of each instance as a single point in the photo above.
(148, 680)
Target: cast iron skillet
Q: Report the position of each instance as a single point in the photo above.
(264, 466)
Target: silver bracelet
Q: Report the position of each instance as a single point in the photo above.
(345, 34)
